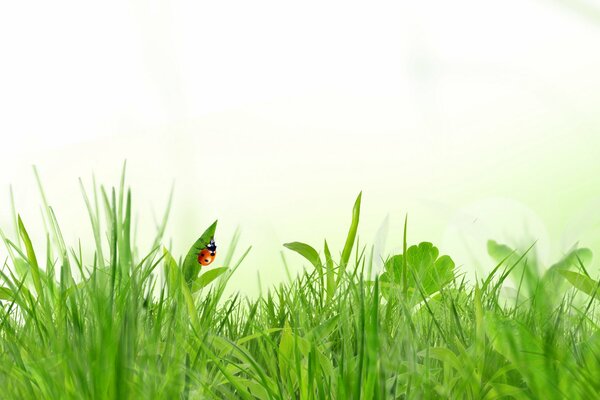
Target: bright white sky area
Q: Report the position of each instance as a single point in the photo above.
(478, 119)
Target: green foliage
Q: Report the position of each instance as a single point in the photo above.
(524, 269)
(347, 251)
(426, 272)
(206, 278)
(123, 324)
(582, 282)
(191, 267)
(307, 252)
(333, 275)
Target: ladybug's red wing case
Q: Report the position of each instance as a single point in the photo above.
(205, 257)
(208, 255)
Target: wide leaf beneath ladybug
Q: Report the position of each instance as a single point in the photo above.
(191, 266)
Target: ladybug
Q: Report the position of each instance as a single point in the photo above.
(208, 254)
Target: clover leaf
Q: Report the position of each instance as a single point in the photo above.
(426, 273)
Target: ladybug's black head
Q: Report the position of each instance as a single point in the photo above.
(212, 247)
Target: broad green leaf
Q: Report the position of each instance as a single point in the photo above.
(393, 267)
(421, 257)
(390, 281)
(426, 272)
(500, 252)
(307, 252)
(191, 267)
(522, 268)
(207, 277)
(579, 259)
(583, 283)
(574, 259)
(441, 273)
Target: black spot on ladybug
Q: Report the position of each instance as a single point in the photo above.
(206, 260)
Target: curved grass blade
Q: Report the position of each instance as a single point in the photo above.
(307, 252)
(347, 251)
(31, 259)
(330, 279)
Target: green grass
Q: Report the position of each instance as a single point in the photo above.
(126, 324)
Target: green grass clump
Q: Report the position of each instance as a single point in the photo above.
(123, 324)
